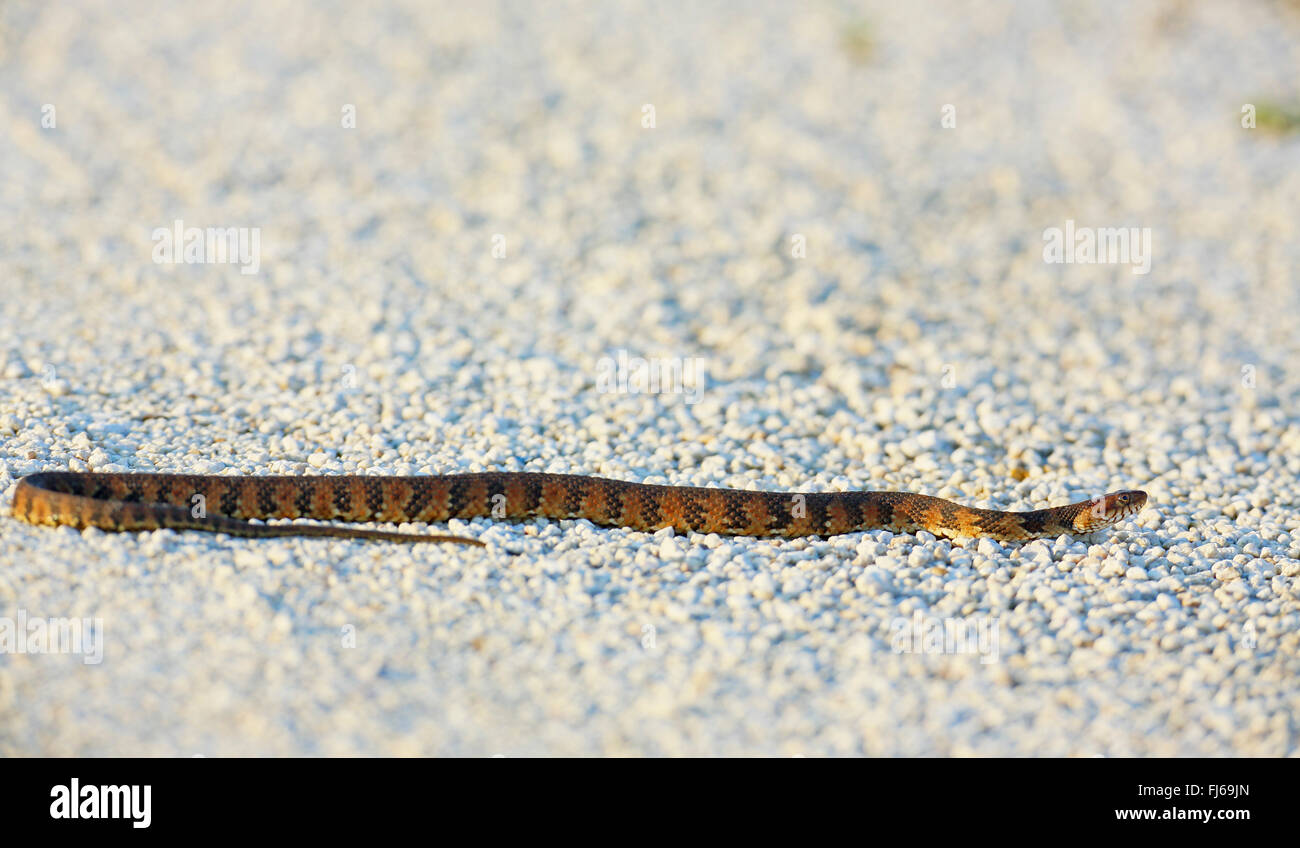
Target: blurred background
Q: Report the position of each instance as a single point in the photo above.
(380, 150)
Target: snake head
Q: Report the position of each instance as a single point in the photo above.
(1109, 509)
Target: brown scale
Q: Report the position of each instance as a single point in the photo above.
(158, 501)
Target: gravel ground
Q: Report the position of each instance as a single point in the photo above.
(472, 220)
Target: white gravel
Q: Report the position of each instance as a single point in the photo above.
(919, 342)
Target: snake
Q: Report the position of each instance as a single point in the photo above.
(230, 504)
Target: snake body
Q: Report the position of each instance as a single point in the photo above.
(226, 505)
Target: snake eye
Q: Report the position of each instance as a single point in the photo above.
(1123, 499)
